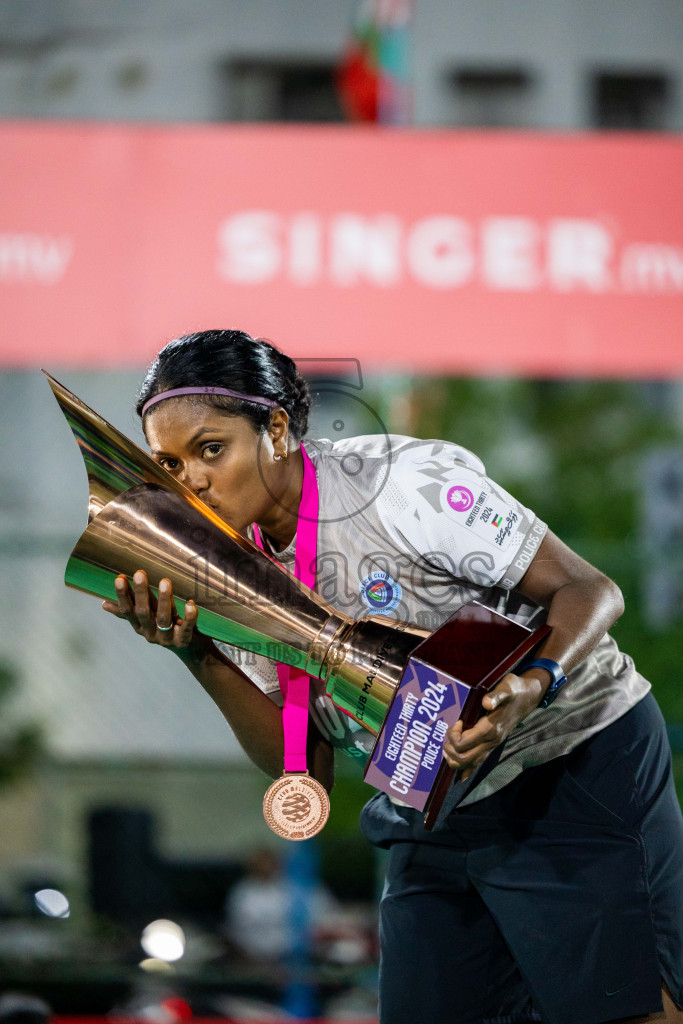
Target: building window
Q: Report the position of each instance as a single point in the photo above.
(492, 98)
(265, 90)
(631, 102)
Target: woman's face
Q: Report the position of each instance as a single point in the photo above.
(223, 459)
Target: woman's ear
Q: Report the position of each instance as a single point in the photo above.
(278, 428)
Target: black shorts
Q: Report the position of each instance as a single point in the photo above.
(557, 899)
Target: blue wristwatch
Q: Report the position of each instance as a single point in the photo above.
(556, 671)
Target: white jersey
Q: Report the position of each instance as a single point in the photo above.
(413, 530)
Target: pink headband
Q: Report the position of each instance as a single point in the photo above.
(207, 391)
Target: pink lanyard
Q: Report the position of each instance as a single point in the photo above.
(294, 684)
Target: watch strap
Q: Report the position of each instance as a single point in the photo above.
(558, 678)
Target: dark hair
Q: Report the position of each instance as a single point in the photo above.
(235, 360)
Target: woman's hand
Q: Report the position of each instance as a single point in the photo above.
(150, 617)
(508, 704)
(582, 604)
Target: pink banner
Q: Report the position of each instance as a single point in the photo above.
(435, 252)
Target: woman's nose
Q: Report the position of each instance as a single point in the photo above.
(195, 479)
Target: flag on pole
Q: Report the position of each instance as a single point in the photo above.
(374, 77)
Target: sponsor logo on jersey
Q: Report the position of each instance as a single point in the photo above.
(380, 592)
(460, 498)
(482, 512)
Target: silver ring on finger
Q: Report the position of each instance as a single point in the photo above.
(165, 629)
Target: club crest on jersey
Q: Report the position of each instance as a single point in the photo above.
(380, 592)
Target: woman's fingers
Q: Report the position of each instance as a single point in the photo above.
(154, 618)
(143, 604)
(503, 708)
(181, 633)
(185, 628)
(165, 611)
(469, 748)
(470, 760)
(501, 694)
(488, 730)
(124, 598)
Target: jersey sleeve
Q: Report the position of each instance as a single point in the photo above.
(262, 671)
(439, 504)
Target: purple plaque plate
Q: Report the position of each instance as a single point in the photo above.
(409, 748)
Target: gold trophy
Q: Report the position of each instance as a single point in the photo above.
(402, 684)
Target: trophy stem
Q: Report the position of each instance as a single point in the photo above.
(364, 664)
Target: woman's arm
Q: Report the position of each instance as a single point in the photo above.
(255, 719)
(582, 604)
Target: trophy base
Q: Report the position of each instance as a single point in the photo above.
(445, 679)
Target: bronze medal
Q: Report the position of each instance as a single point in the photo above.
(296, 806)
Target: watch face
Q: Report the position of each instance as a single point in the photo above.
(552, 692)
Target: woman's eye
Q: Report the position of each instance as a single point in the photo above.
(169, 464)
(210, 451)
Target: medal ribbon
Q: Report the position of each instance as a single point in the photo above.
(295, 684)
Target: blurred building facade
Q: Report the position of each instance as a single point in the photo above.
(566, 65)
